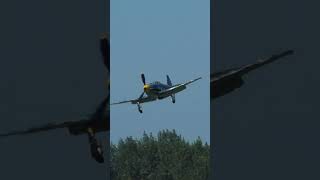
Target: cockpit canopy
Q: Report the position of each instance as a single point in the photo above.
(156, 83)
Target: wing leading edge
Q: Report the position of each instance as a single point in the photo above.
(224, 82)
(50, 126)
(136, 101)
(247, 68)
(177, 88)
(191, 81)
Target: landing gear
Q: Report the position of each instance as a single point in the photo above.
(139, 107)
(95, 147)
(173, 98)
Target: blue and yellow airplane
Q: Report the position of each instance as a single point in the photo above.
(157, 90)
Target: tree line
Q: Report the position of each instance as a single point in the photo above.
(167, 156)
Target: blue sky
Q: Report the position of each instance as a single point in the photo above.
(158, 38)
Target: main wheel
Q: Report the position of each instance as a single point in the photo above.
(97, 152)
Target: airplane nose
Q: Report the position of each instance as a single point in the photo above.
(146, 87)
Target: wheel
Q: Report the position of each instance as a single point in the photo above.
(97, 152)
(139, 108)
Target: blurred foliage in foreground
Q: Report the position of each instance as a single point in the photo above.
(165, 157)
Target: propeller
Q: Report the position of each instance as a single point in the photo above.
(105, 49)
(143, 79)
(141, 95)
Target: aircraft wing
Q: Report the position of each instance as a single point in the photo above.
(122, 102)
(101, 112)
(46, 127)
(247, 68)
(191, 81)
(135, 101)
(176, 88)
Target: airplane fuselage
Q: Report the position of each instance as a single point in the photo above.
(98, 121)
(97, 125)
(154, 89)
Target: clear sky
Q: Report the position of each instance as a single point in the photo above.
(159, 38)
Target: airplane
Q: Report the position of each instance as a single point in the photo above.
(157, 90)
(224, 82)
(99, 121)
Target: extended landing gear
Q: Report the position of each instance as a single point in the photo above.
(139, 107)
(173, 98)
(95, 147)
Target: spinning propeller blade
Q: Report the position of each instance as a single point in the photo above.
(105, 49)
(143, 79)
(141, 95)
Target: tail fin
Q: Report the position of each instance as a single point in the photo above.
(169, 81)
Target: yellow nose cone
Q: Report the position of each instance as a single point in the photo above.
(146, 87)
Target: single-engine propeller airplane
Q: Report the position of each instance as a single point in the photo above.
(157, 90)
(99, 121)
(224, 82)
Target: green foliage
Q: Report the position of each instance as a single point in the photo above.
(165, 157)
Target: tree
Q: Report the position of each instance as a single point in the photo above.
(165, 157)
